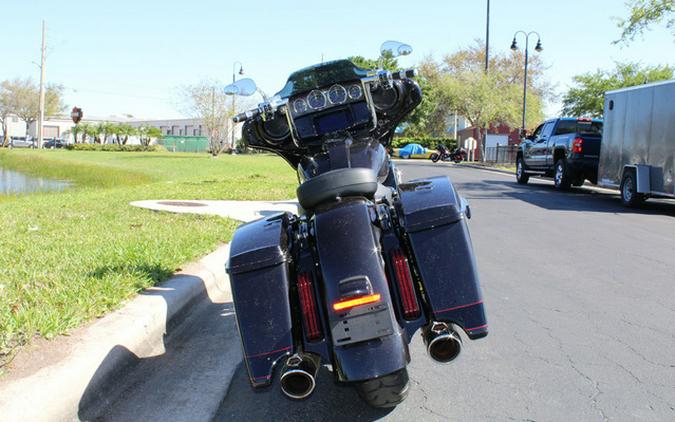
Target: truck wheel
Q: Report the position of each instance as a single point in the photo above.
(387, 391)
(579, 182)
(561, 177)
(521, 176)
(629, 195)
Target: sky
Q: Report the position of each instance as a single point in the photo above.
(131, 57)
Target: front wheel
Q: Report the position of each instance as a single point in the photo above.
(434, 157)
(521, 177)
(387, 391)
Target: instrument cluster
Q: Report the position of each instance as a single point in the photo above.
(321, 99)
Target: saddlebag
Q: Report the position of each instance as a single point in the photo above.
(434, 218)
(259, 276)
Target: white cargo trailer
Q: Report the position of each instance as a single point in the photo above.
(637, 154)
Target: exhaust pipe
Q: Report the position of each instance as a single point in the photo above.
(443, 343)
(298, 376)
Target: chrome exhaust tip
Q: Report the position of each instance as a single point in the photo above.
(298, 377)
(443, 343)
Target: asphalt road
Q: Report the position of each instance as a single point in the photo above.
(580, 295)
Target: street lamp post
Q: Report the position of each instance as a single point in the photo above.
(538, 48)
(241, 72)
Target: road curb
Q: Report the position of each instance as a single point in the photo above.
(56, 392)
(487, 168)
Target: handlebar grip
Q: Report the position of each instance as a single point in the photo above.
(403, 74)
(242, 117)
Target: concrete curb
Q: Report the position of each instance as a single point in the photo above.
(55, 392)
(487, 168)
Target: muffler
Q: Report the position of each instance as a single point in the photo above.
(443, 343)
(298, 376)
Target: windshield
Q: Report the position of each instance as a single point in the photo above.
(321, 75)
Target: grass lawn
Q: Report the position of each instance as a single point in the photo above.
(71, 256)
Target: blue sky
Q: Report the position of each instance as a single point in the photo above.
(129, 57)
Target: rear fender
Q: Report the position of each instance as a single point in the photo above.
(366, 341)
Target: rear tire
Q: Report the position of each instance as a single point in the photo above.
(561, 177)
(629, 196)
(387, 391)
(521, 176)
(434, 157)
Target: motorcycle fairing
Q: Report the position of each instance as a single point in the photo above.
(260, 280)
(431, 214)
(349, 255)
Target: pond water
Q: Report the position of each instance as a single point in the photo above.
(13, 182)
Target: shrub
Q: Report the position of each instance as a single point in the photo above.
(115, 147)
(426, 142)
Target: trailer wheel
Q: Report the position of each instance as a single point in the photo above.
(387, 391)
(521, 176)
(561, 177)
(629, 195)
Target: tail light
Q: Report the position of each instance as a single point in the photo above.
(411, 308)
(310, 314)
(361, 300)
(578, 146)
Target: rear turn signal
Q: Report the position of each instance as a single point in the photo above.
(350, 303)
(578, 145)
(310, 315)
(411, 308)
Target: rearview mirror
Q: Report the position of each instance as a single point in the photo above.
(244, 87)
(395, 49)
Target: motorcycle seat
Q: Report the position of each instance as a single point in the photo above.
(337, 183)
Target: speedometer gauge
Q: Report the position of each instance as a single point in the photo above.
(316, 99)
(299, 106)
(355, 92)
(337, 94)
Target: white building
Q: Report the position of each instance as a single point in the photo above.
(60, 127)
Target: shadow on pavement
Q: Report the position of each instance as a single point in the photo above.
(199, 350)
(548, 197)
(329, 402)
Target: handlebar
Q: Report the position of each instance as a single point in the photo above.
(242, 117)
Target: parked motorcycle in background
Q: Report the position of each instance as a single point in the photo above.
(368, 260)
(443, 154)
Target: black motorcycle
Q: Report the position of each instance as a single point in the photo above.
(443, 154)
(368, 260)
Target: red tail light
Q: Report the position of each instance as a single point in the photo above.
(578, 146)
(361, 300)
(411, 309)
(310, 315)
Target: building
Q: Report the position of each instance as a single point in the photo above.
(60, 127)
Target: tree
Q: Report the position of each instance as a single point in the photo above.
(587, 97)
(643, 14)
(387, 62)
(122, 132)
(459, 85)
(207, 101)
(24, 97)
(5, 111)
(147, 133)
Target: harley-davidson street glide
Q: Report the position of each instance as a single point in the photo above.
(368, 260)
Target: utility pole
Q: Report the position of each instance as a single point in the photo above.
(487, 39)
(42, 88)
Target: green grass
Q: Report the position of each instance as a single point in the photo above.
(68, 257)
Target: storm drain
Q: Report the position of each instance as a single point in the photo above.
(182, 204)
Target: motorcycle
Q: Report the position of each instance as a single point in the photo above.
(457, 155)
(368, 260)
